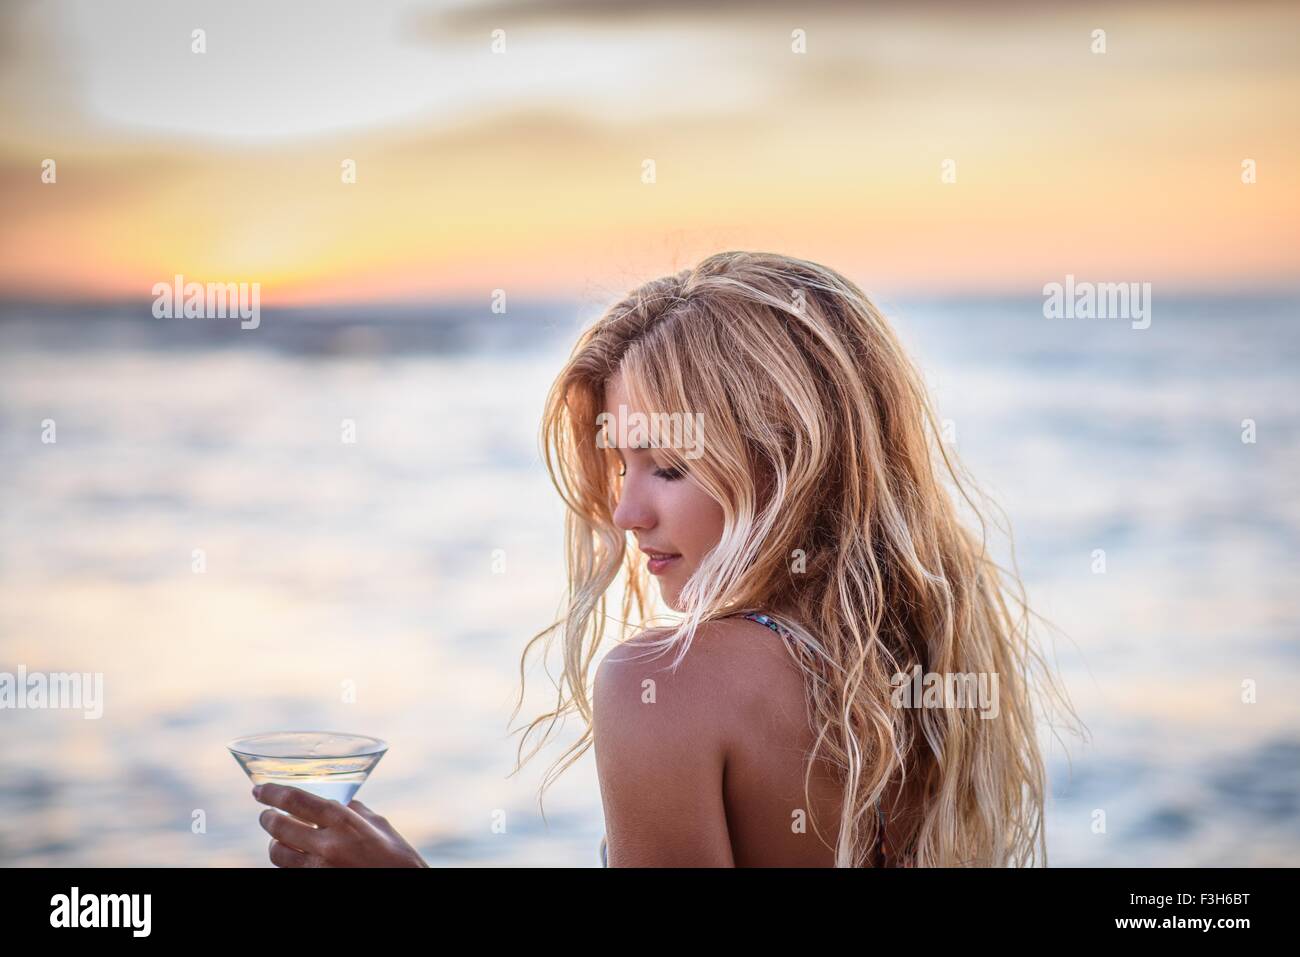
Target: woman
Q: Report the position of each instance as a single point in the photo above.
(751, 433)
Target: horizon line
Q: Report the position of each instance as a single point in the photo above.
(523, 301)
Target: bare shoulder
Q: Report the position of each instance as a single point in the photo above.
(734, 671)
(664, 738)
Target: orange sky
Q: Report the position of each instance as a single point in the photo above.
(522, 170)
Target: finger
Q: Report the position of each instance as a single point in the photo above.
(364, 811)
(301, 804)
(286, 830)
(284, 856)
(373, 818)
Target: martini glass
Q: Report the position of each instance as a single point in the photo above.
(328, 764)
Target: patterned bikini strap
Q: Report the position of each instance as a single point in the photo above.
(765, 620)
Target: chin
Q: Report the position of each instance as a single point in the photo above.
(671, 596)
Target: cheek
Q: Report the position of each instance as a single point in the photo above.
(698, 521)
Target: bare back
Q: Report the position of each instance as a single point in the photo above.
(768, 815)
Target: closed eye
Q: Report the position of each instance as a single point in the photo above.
(667, 473)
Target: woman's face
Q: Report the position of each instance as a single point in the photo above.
(664, 508)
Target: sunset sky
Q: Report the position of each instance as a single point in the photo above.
(522, 169)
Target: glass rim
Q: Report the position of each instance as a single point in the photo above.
(373, 745)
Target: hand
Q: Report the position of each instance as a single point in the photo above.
(352, 836)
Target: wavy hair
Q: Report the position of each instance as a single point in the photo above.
(841, 521)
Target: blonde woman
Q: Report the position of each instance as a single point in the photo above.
(750, 434)
(807, 532)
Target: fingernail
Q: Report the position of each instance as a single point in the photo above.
(257, 791)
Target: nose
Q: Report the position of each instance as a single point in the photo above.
(633, 511)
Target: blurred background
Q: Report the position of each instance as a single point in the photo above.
(547, 156)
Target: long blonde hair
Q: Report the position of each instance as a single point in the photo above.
(822, 449)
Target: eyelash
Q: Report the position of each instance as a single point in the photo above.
(668, 475)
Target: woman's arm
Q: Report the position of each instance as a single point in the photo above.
(660, 757)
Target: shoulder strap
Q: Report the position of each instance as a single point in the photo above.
(763, 620)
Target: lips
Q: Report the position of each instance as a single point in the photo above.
(658, 561)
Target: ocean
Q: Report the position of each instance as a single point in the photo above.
(202, 532)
